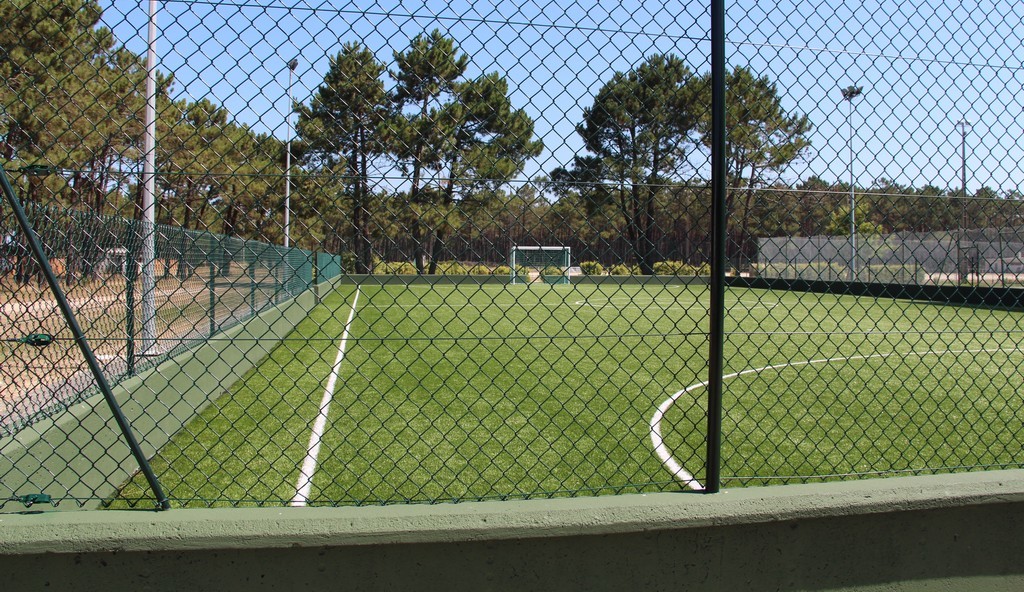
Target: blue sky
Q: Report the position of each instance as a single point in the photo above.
(923, 65)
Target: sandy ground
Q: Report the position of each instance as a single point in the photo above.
(34, 379)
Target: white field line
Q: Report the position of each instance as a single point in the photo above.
(305, 483)
(686, 478)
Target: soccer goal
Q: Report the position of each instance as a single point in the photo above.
(547, 264)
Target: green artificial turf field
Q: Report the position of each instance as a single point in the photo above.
(455, 392)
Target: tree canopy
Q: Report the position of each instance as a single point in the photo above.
(413, 155)
(638, 131)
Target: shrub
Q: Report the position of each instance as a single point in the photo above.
(702, 269)
(619, 270)
(452, 268)
(480, 269)
(591, 268)
(552, 271)
(681, 268)
(348, 262)
(504, 270)
(395, 268)
(667, 267)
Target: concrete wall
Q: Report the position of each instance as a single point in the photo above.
(950, 532)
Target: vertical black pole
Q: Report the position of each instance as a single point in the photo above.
(278, 268)
(131, 273)
(83, 345)
(212, 252)
(718, 242)
(1002, 273)
(251, 253)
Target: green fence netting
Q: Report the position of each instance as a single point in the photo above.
(791, 251)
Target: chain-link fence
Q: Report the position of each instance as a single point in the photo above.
(202, 283)
(297, 241)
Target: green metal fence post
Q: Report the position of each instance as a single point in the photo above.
(718, 243)
(278, 268)
(131, 272)
(250, 252)
(212, 283)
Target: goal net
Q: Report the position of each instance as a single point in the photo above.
(546, 264)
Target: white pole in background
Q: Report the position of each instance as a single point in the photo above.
(850, 93)
(148, 194)
(962, 267)
(288, 161)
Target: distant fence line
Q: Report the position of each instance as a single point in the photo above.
(981, 255)
(204, 283)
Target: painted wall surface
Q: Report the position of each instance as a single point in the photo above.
(950, 532)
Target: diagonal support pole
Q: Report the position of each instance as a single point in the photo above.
(83, 344)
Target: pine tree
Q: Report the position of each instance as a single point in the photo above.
(762, 139)
(344, 125)
(457, 139)
(638, 132)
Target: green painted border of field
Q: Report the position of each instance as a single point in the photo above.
(82, 451)
(941, 532)
(1012, 298)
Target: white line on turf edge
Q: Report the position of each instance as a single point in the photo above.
(305, 483)
(687, 479)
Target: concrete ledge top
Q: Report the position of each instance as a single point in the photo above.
(33, 532)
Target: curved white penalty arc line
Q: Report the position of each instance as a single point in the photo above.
(677, 470)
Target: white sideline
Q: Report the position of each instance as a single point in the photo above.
(305, 483)
(687, 479)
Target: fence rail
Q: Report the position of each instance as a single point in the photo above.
(795, 247)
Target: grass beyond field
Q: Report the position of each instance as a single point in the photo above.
(475, 392)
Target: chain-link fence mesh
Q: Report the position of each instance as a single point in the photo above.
(304, 266)
(203, 283)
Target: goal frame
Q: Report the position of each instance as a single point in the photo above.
(565, 256)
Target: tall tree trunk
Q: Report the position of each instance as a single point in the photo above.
(628, 213)
(418, 229)
(365, 246)
(648, 248)
(443, 229)
(360, 215)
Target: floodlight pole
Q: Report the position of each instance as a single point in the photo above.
(850, 93)
(148, 254)
(288, 159)
(963, 124)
